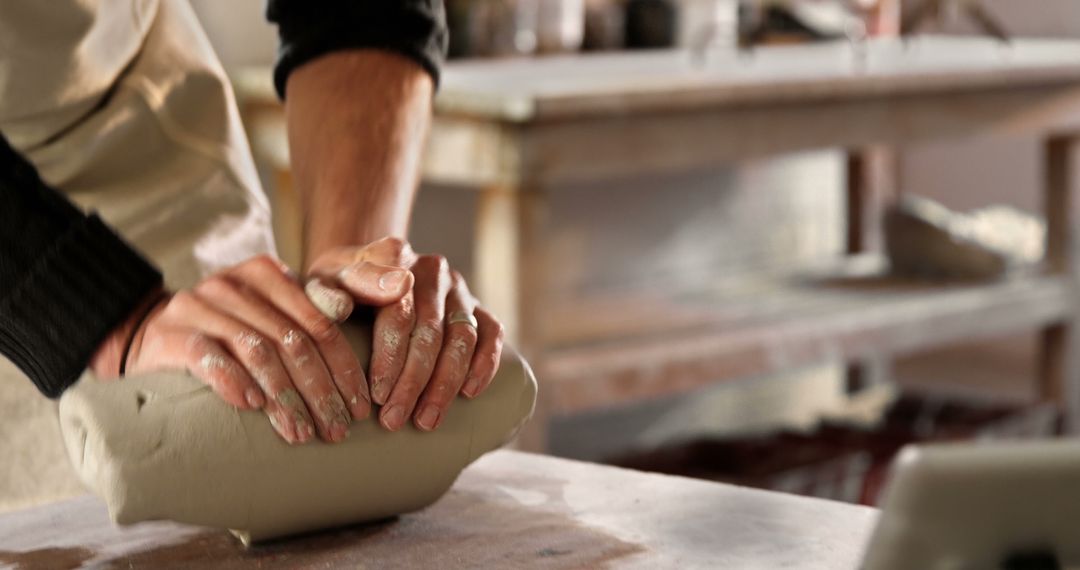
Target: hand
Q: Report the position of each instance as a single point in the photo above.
(425, 351)
(253, 335)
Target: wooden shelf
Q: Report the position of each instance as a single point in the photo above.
(620, 350)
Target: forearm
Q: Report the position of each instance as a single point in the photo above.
(66, 280)
(356, 121)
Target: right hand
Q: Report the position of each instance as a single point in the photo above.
(252, 334)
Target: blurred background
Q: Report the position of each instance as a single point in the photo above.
(760, 242)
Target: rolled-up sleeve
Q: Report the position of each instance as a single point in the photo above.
(311, 28)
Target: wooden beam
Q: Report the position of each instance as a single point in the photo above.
(1059, 360)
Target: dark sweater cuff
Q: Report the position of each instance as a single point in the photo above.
(291, 57)
(82, 288)
(416, 30)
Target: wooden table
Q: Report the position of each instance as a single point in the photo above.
(509, 510)
(519, 131)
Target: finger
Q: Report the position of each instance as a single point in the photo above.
(316, 386)
(284, 405)
(454, 359)
(338, 305)
(204, 358)
(333, 353)
(375, 285)
(298, 353)
(332, 302)
(429, 294)
(485, 360)
(385, 251)
(393, 325)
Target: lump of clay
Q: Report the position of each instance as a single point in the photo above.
(925, 239)
(163, 446)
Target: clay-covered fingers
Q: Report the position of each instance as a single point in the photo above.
(312, 346)
(375, 274)
(222, 351)
(432, 285)
(308, 381)
(459, 343)
(205, 358)
(485, 360)
(393, 327)
(332, 302)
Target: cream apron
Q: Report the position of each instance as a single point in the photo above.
(123, 106)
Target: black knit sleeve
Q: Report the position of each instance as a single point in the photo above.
(66, 279)
(310, 28)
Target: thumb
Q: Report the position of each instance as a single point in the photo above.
(374, 284)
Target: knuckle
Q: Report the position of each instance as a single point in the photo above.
(228, 379)
(214, 285)
(439, 393)
(465, 339)
(407, 391)
(394, 245)
(389, 337)
(296, 343)
(254, 346)
(404, 313)
(440, 263)
(389, 250)
(254, 262)
(322, 330)
(181, 301)
(428, 331)
(264, 260)
(199, 344)
(430, 322)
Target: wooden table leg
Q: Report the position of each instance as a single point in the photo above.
(510, 280)
(872, 180)
(1059, 362)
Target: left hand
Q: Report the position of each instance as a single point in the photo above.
(427, 349)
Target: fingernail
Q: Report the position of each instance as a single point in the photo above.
(428, 418)
(379, 390)
(254, 398)
(280, 427)
(393, 280)
(358, 411)
(304, 431)
(339, 430)
(393, 418)
(471, 387)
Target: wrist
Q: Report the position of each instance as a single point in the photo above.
(108, 360)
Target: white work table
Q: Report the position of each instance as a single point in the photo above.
(521, 131)
(508, 510)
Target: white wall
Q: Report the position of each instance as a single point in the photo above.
(967, 174)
